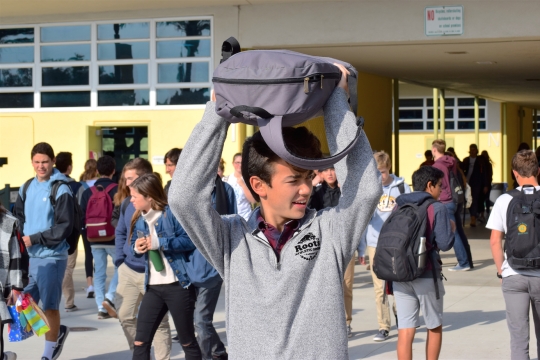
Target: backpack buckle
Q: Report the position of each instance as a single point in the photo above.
(526, 209)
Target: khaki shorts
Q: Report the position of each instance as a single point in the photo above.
(419, 295)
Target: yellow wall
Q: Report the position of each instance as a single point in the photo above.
(69, 131)
(375, 105)
(413, 145)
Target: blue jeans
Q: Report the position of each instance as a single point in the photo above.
(100, 275)
(208, 339)
(459, 246)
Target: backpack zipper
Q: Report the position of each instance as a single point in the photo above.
(306, 80)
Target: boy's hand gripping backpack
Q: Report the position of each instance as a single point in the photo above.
(276, 88)
(99, 211)
(522, 245)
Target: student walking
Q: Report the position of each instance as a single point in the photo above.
(244, 198)
(325, 196)
(517, 265)
(421, 293)
(87, 180)
(64, 164)
(131, 269)
(11, 273)
(97, 207)
(281, 265)
(392, 187)
(45, 228)
(448, 165)
(156, 234)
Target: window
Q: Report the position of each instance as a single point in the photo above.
(152, 63)
(459, 114)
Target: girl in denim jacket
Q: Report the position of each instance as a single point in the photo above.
(158, 236)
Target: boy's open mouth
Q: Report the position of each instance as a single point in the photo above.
(300, 202)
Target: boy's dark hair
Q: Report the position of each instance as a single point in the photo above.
(63, 161)
(173, 155)
(428, 153)
(44, 149)
(525, 163)
(258, 159)
(106, 165)
(424, 175)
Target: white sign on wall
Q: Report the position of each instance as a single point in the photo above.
(443, 20)
(158, 160)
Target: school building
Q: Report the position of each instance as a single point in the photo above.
(131, 77)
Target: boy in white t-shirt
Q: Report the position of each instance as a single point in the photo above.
(521, 288)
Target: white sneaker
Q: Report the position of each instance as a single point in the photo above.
(8, 355)
(90, 292)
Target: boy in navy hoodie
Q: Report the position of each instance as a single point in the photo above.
(420, 294)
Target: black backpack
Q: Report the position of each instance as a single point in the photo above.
(522, 245)
(456, 188)
(73, 238)
(396, 258)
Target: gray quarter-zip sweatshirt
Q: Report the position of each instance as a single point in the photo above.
(291, 309)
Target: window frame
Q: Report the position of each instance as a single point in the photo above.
(152, 85)
(455, 119)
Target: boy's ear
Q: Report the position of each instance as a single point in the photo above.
(258, 186)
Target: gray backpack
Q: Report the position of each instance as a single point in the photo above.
(276, 88)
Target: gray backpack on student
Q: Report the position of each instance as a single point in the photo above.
(276, 88)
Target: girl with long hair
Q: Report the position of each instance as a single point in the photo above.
(90, 173)
(88, 179)
(158, 236)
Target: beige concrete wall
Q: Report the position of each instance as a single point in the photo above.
(356, 22)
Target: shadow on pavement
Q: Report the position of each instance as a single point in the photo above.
(126, 354)
(458, 320)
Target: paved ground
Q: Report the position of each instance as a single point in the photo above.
(474, 317)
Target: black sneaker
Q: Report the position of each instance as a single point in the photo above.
(62, 335)
(103, 315)
(175, 338)
(109, 306)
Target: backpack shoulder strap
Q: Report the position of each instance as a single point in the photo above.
(54, 190)
(25, 188)
(124, 205)
(110, 187)
(401, 188)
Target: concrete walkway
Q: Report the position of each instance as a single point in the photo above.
(474, 318)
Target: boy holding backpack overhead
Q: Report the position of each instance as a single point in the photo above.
(518, 266)
(283, 268)
(422, 290)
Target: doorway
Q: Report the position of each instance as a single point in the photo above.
(122, 143)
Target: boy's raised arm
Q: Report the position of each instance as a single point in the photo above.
(358, 174)
(191, 188)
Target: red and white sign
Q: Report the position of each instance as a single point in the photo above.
(443, 20)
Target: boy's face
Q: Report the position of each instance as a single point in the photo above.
(329, 175)
(170, 167)
(287, 197)
(385, 173)
(43, 166)
(434, 190)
